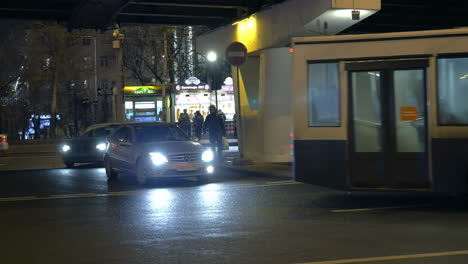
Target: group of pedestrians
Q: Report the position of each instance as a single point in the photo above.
(214, 125)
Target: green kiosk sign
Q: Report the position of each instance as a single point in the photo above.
(133, 90)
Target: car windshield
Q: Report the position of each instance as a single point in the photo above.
(147, 134)
(104, 132)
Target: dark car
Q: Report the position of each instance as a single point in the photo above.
(156, 150)
(90, 147)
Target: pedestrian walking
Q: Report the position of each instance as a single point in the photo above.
(235, 125)
(198, 124)
(222, 115)
(184, 122)
(214, 123)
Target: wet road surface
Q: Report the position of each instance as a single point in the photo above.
(77, 216)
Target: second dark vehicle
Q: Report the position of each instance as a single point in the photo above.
(90, 147)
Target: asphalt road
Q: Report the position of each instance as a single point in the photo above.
(75, 216)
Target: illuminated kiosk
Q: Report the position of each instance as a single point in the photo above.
(143, 103)
(226, 101)
(194, 96)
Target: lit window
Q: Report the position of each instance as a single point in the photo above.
(453, 91)
(324, 95)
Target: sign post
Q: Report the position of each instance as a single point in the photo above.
(236, 55)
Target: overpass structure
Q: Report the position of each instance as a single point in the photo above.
(394, 16)
(102, 14)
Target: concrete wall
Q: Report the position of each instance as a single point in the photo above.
(265, 106)
(275, 90)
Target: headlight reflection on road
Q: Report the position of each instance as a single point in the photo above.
(160, 199)
(210, 195)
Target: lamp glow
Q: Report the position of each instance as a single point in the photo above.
(101, 146)
(65, 148)
(158, 159)
(347, 13)
(208, 156)
(212, 56)
(210, 169)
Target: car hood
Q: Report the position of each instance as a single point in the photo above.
(172, 147)
(84, 140)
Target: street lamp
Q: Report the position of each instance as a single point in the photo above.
(212, 57)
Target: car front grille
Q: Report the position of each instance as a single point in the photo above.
(82, 147)
(184, 157)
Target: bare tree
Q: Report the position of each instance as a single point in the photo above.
(160, 54)
(53, 67)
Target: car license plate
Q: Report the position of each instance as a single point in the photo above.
(186, 167)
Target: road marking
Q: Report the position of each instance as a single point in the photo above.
(27, 157)
(74, 195)
(122, 193)
(391, 258)
(265, 185)
(377, 208)
(23, 198)
(281, 181)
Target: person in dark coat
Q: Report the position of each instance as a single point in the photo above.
(215, 126)
(198, 124)
(184, 122)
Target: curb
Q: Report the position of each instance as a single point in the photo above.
(285, 175)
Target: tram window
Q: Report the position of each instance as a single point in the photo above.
(324, 95)
(453, 91)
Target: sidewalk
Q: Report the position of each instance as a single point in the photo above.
(25, 149)
(282, 170)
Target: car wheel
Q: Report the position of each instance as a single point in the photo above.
(69, 164)
(142, 172)
(110, 172)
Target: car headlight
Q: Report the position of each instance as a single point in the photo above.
(65, 148)
(207, 156)
(158, 159)
(101, 146)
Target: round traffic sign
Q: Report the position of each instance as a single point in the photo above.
(236, 53)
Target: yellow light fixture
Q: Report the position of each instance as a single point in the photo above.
(240, 21)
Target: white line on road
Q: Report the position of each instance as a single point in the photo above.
(377, 208)
(391, 258)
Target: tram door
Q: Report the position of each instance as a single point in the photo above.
(388, 124)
